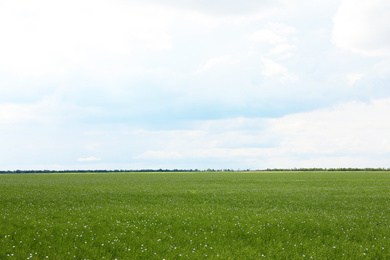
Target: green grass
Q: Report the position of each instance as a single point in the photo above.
(218, 215)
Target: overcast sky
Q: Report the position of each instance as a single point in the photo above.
(125, 84)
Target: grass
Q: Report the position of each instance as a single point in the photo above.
(218, 215)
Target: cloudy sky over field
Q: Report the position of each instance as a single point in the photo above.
(125, 84)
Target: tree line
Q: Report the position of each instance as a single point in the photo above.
(329, 169)
(190, 170)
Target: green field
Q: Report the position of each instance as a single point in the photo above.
(217, 215)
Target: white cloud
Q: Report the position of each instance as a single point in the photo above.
(282, 29)
(51, 37)
(211, 63)
(153, 155)
(266, 35)
(382, 68)
(353, 78)
(227, 7)
(280, 36)
(16, 113)
(363, 27)
(43, 111)
(353, 134)
(353, 128)
(273, 33)
(88, 159)
(272, 69)
(282, 49)
(50, 110)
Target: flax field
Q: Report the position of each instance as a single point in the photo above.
(195, 215)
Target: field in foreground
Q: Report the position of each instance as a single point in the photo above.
(218, 215)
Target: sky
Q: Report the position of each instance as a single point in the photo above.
(194, 84)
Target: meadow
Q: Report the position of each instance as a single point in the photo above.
(195, 215)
